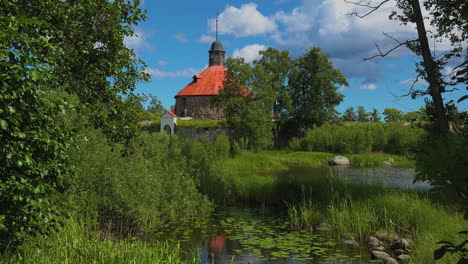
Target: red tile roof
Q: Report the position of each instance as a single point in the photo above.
(171, 113)
(206, 83)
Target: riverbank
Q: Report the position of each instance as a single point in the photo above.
(283, 159)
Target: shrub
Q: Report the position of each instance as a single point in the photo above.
(150, 186)
(360, 138)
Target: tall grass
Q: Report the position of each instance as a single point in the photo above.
(356, 138)
(76, 243)
(282, 160)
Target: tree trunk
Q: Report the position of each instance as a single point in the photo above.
(435, 89)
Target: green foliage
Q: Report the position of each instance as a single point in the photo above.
(33, 160)
(154, 185)
(52, 54)
(393, 115)
(222, 146)
(448, 247)
(76, 243)
(362, 115)
(201, 123)
(442, 162)
(375, 115)
(349, 114)
(313, 86)
(246, 106)
(361, 138)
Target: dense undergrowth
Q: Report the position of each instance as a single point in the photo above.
(77, 243)
(357, 138)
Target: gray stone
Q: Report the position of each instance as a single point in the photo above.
(373, 242)
(379, 254)
(381, 248)
(323, 227)
(387, 163)
(339, 160)
(404, 257)
(351, 243)
(389, 260)
(401, 243)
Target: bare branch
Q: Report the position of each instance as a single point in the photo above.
(381, 54)
(372, 8)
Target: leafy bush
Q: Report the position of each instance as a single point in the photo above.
(149, 187)
(360, 138)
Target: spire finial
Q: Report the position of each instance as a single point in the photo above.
(217, 15)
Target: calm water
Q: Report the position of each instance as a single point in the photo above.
(259, 236)
(401, 178)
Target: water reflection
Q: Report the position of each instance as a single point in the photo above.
(401, 178)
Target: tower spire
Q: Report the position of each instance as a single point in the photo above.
(217, 15)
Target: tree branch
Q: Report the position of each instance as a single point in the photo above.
(381, 54)
(372, 8)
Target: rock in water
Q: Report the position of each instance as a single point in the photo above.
(373, 242)
(404, 257)
(339, 160)
(390, 260)
(379, 255)
(351, 243)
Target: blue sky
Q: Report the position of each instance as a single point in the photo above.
(175, 39)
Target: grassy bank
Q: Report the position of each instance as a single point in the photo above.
(271, 160)
(385, 213)
(76, 243)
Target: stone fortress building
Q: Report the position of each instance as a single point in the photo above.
(194, 100)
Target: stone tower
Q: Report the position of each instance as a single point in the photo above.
(216, 54)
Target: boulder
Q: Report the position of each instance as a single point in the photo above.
(381, 248)
(351, 243)
(404, 257)
(389, 260)
(401, 243)
(339, 160)
(323, 227)
(387, 163)
(373, 242)
(379, 255)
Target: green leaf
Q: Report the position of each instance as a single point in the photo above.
(3, 124)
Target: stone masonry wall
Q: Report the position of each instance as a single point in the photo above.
(198, 107)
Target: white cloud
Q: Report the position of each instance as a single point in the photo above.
(249, 52)
(181, 37)
(410, 81)
(158, 74)
(206, 38)
(161, 63)
(296, 21)
(242, 22)
(137, 41)
(369, 86)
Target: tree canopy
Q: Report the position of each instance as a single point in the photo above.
(57, 58)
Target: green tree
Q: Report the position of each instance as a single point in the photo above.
(362, 115)
(449, 18)
(392, 115)
(155, 106)
(349, 114)
(248, 110)
(313, 85)
(375, 115)
(271, 72)
(53, 53)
